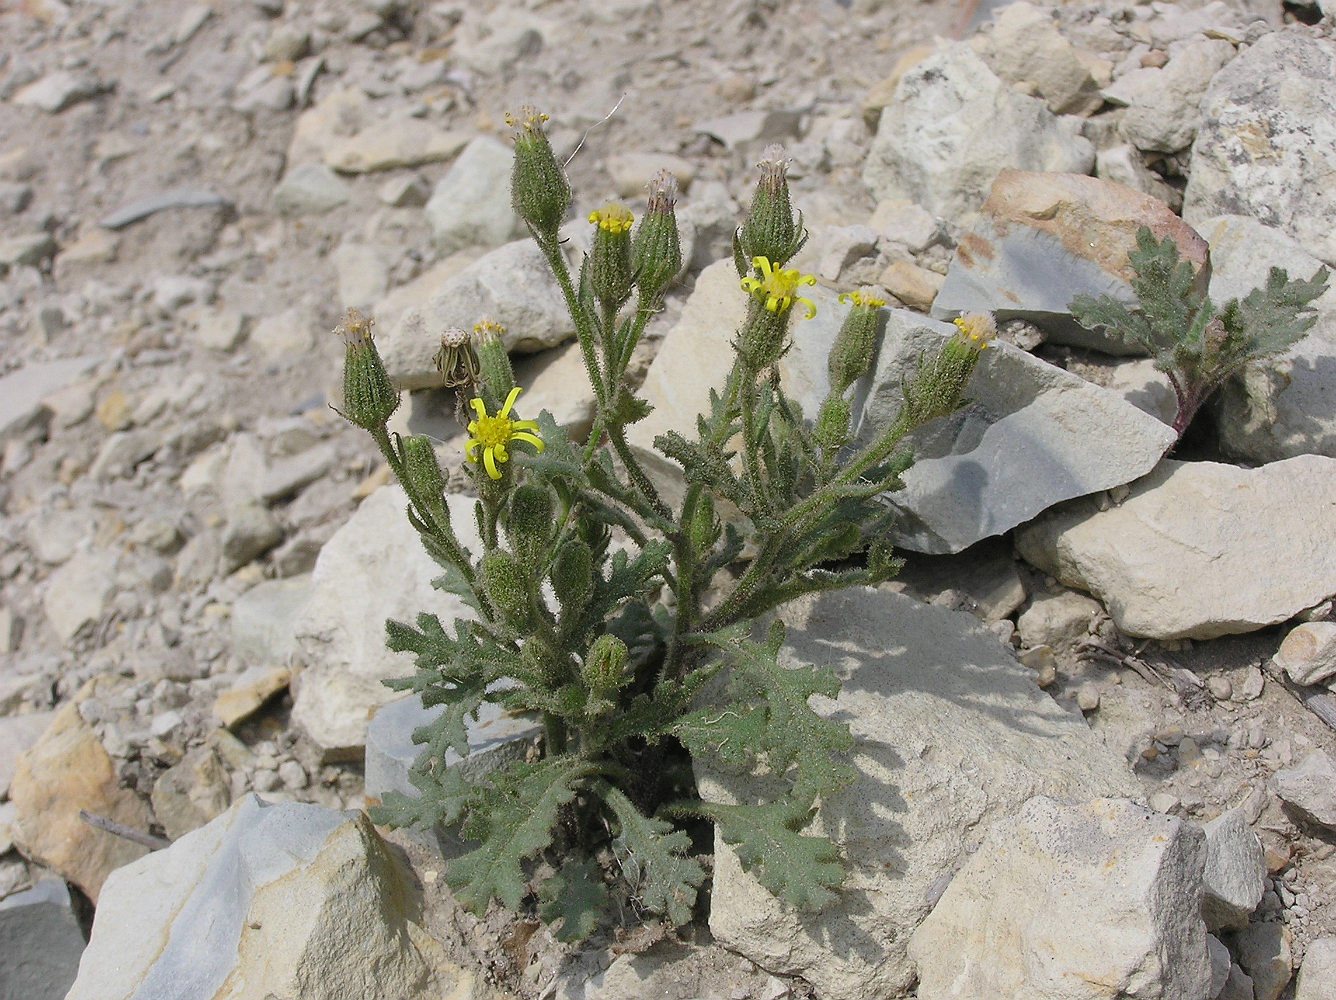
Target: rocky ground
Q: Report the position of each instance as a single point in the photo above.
(190, 197)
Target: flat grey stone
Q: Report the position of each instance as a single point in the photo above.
(263, 620)
(1022, 445)
(1310, 786)
(310, 189)
(1234, 877)
(470, 205)
(142, 208)
(40, 943)
(22, 391)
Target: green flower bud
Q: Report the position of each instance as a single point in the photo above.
(763, 338)
(604, 669)
(423, 470)
(529, 524)
(539, 191)
(610, 259)
(504, 580)
(851, 354)
(832, 423)
(656, 252)
(703, 530)
(573, 575)
(771, 229)
(938, 387)
(368, 396)
(498, 377)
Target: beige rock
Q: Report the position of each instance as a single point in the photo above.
(393, 144)
(1264, 952)
(630, 172)
(882, 93)
(1308, 653)
(915, 286)
(292, 900)
(255, 687)
(1199, 549)
(68, 771)
(192, 792)
(338, 116)
(1027, 46)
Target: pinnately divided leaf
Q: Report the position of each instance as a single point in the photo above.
(653, 858)
(803, 871)
(788, 733)
(576, 896)
(521, 807)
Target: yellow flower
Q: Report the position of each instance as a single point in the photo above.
(862, 299)
(777, 288)
(978, 329)
(612, 218)
(494, 434)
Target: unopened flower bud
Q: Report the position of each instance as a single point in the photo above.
(529, 523)
(704, 528)
(573, 575)
(539, 190)
(368, 396)
(832, 423)
(610, 259)
(851, 354)
(656, 252)
(604, 668)
(498, 377)
(771, 229)
(504, 579)
(938, 387)
(422, 468)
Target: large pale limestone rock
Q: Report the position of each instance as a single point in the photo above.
(1199, 549)
(1285, 406)
(471, 203)
(1027, 48)
(953, 125)
(1234, 878)
(1041, 239)
(1162, 101)
(1023, 444)
(1266, 143)
(950, 735)
(1016, 920)
(511, 286)
(373, 568)
(68, 771)
(287, 900)
(1317, 976)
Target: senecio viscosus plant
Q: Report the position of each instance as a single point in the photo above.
(639, 657)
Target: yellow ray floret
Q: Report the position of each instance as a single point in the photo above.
(862, 299)
(777, 287)
(494, 434)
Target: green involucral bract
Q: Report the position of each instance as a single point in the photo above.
(623, 619)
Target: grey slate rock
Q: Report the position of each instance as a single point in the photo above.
(1310, 786)
(1022, 445)
(142, 208)
(40, 943)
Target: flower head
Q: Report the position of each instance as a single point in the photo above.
(865, 299)
(612, 218)
(778, 288)
(977, 329)
(539, 190)
(368, 396)
(656, 254)
(494, 434)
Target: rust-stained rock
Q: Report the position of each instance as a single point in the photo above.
(1044, 238)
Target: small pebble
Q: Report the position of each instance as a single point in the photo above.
(1087, 696)
(1219, 687)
